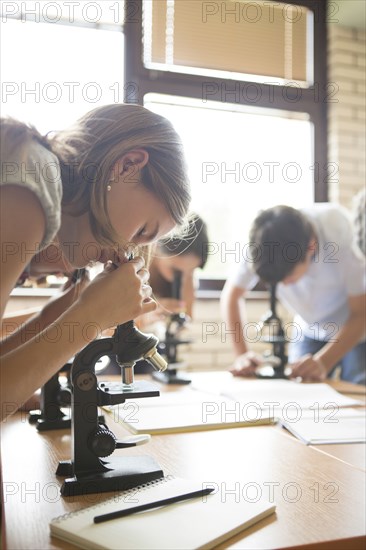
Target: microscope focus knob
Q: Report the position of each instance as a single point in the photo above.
(102, 442)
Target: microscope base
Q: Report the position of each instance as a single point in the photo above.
(61, 423)
(56, 421)
(170, 376)
(124, 473)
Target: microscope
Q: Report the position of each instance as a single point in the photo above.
(275, 360)
(169, 346)
(91, 469)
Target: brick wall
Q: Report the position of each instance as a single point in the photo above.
(346, 111)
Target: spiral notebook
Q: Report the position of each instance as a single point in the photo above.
(199, 523)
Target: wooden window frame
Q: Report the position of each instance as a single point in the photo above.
(313, 99)
(140, 81)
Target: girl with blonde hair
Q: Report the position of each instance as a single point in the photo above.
(117, 178)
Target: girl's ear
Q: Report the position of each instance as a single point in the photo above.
(130, 163)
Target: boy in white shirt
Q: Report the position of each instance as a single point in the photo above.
(320, 273)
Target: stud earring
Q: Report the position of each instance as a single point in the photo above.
(109, 187)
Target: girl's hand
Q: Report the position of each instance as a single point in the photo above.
(118, 294)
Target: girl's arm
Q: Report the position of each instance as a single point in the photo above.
(29, 366)
(22, 227)
(13, 320)
(17, 331)
(113, 297)
(187, 292)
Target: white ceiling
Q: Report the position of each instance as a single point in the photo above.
(350, 13)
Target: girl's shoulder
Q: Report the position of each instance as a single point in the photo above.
(37, 169)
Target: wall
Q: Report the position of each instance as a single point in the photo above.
(211, 347)
(346, 114)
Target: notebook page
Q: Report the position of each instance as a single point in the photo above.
(277, 392)
(331, 429)
(184, 412)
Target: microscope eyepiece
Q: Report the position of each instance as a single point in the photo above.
(131, 345)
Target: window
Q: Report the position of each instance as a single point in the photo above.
(60, 60)
(245, 85)
(239, 159)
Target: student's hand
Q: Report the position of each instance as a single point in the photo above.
(117, 295)
(246, 364)
(309, 369)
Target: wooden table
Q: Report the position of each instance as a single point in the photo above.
(319, 493)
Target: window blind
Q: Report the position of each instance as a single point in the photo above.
(255, 38)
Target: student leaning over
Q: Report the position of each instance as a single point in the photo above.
(320, 272)
(81, 196)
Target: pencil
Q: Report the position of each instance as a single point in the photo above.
(151, 505)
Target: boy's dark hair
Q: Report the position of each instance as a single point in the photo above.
(279, 240)
(194, 241)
